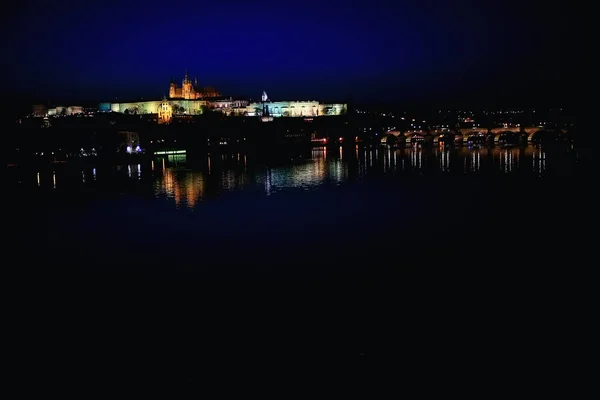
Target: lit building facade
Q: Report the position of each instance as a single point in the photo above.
(333, 109)
(72, 110)
(61, 110)
(190, 107)
(191, 91)
(293, 109)
(228, 104)
(236, 107)
(165, 112)
(187, 101)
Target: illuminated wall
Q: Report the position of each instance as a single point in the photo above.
(139, 107)
(332, 109)
(60, 110)
(228, 103)
(286, 108)
(237, 107)
(74, 110)
(192, 107)
(297, 109)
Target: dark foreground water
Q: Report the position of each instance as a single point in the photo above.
(370, 241)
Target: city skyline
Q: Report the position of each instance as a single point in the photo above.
(199, 190)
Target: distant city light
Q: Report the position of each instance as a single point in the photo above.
(169, 152)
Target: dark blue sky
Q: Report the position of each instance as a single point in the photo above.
(427, 50)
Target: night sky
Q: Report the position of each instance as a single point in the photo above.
(405, 51)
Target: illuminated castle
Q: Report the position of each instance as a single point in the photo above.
(189, 91)
(189, 99)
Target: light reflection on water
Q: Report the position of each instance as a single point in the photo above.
(189, 181)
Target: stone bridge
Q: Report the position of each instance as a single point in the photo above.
(466, 135)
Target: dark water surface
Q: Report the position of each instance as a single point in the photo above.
(339, 207)
(370, 242)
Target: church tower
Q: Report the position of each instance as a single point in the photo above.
(186, 87)
(189, 90)
(265, 99)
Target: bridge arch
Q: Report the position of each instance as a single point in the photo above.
(392, 140)
(476, 138)
(514, 129)
(545, 135)
(467, 134)
(418, 137)
(444, 137)
(532, 132)
(506, 137)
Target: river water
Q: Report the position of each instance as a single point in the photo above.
(329, 206)
(339, 255)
